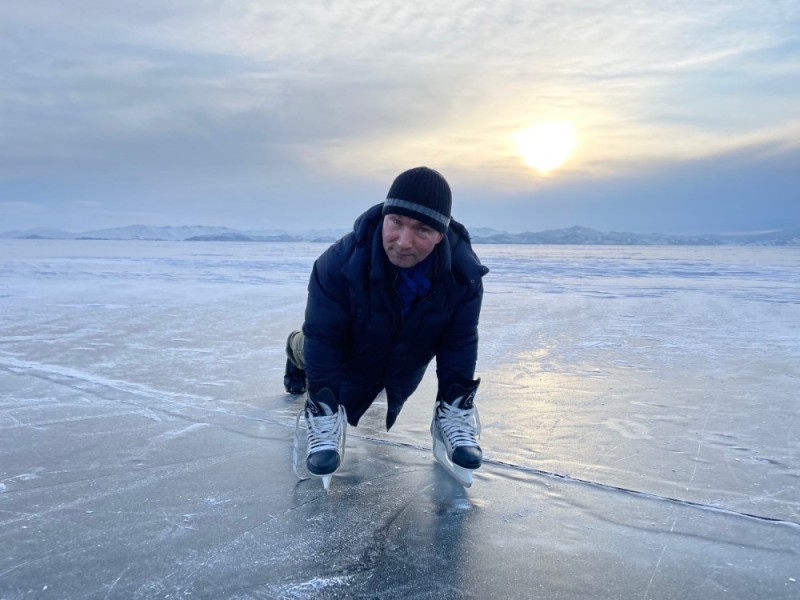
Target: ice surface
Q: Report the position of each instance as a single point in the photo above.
(639, 409)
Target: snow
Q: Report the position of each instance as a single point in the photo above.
(639, 410)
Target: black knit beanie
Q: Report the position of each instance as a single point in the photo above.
(422, 194)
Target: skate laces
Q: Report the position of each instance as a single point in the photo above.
(459, 425)
(325, 432)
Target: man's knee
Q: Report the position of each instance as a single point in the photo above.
(294, 349)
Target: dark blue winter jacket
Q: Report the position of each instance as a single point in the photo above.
(356, 340)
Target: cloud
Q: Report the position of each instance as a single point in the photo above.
(747, 189)
(240, 99)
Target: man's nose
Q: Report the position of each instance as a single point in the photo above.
(406, 237)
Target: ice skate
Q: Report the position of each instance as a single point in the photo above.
(455, 428)
(325, 424)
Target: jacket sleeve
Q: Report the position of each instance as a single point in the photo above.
(326, 326)
(457, 348)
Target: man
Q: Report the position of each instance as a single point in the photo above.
(402, 288)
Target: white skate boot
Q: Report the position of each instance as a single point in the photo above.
(325, 423)
(455, 429)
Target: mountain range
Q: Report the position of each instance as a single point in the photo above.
(480, 235)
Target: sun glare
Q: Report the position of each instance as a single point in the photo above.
(546, 146)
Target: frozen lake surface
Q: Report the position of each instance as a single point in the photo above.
(639, 405)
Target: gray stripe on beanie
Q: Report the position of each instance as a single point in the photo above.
(418, 208)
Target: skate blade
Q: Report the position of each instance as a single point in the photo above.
(299, 446)
(326, 483)
(460, 474)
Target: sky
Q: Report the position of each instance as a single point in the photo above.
(684, 116)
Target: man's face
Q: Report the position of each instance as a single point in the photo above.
(406, 241)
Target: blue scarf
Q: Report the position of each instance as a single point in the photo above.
(414, 283)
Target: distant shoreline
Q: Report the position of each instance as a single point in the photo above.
(582, 236)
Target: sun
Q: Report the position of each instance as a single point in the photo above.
(546, 146)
